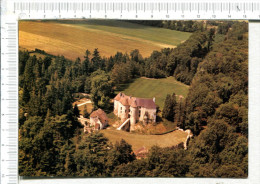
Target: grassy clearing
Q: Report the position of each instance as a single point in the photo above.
(158, 88)
(73, 38)
(138, 140)
(89, 108)
(169, 125)
(81, 108)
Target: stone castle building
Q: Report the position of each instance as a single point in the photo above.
(98, 120)
(134, 109)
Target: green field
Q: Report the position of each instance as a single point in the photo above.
(72, 38)
(158, 88)
(138, 140)
(149, 33)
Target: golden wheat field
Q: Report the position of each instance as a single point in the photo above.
(73, 38)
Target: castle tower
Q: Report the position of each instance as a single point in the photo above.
(133, 115)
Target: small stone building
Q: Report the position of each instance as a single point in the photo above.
(98, 119)
(135, 109)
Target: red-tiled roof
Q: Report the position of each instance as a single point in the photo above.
(134, 101)
(145, 102)
(100, 114)
(124, 101)
(141, 153)
(118, 96)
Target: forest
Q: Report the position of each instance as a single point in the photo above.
(213, 61)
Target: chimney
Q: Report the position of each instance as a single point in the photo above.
(154, 99)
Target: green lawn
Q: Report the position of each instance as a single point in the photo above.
(138, 140)
(158, 88)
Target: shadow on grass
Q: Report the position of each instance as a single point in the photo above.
(122, 87)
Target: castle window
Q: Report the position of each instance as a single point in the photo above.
(139, 113)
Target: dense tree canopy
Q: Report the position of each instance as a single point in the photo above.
(213, 61)
(186, 26)
(170, 106)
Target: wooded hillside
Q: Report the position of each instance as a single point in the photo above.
(215, 65)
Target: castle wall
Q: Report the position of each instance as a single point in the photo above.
(116, 107)
(133, 117)
(122, 111)
(151, 114)
(100, 124)
(136, 113)
(95, 120)
(92, 121)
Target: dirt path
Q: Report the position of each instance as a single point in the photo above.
(84, 103)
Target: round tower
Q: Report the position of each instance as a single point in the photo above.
(133, 114)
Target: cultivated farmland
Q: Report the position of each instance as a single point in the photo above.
(72, 38)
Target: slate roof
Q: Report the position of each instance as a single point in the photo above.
(135, 102)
